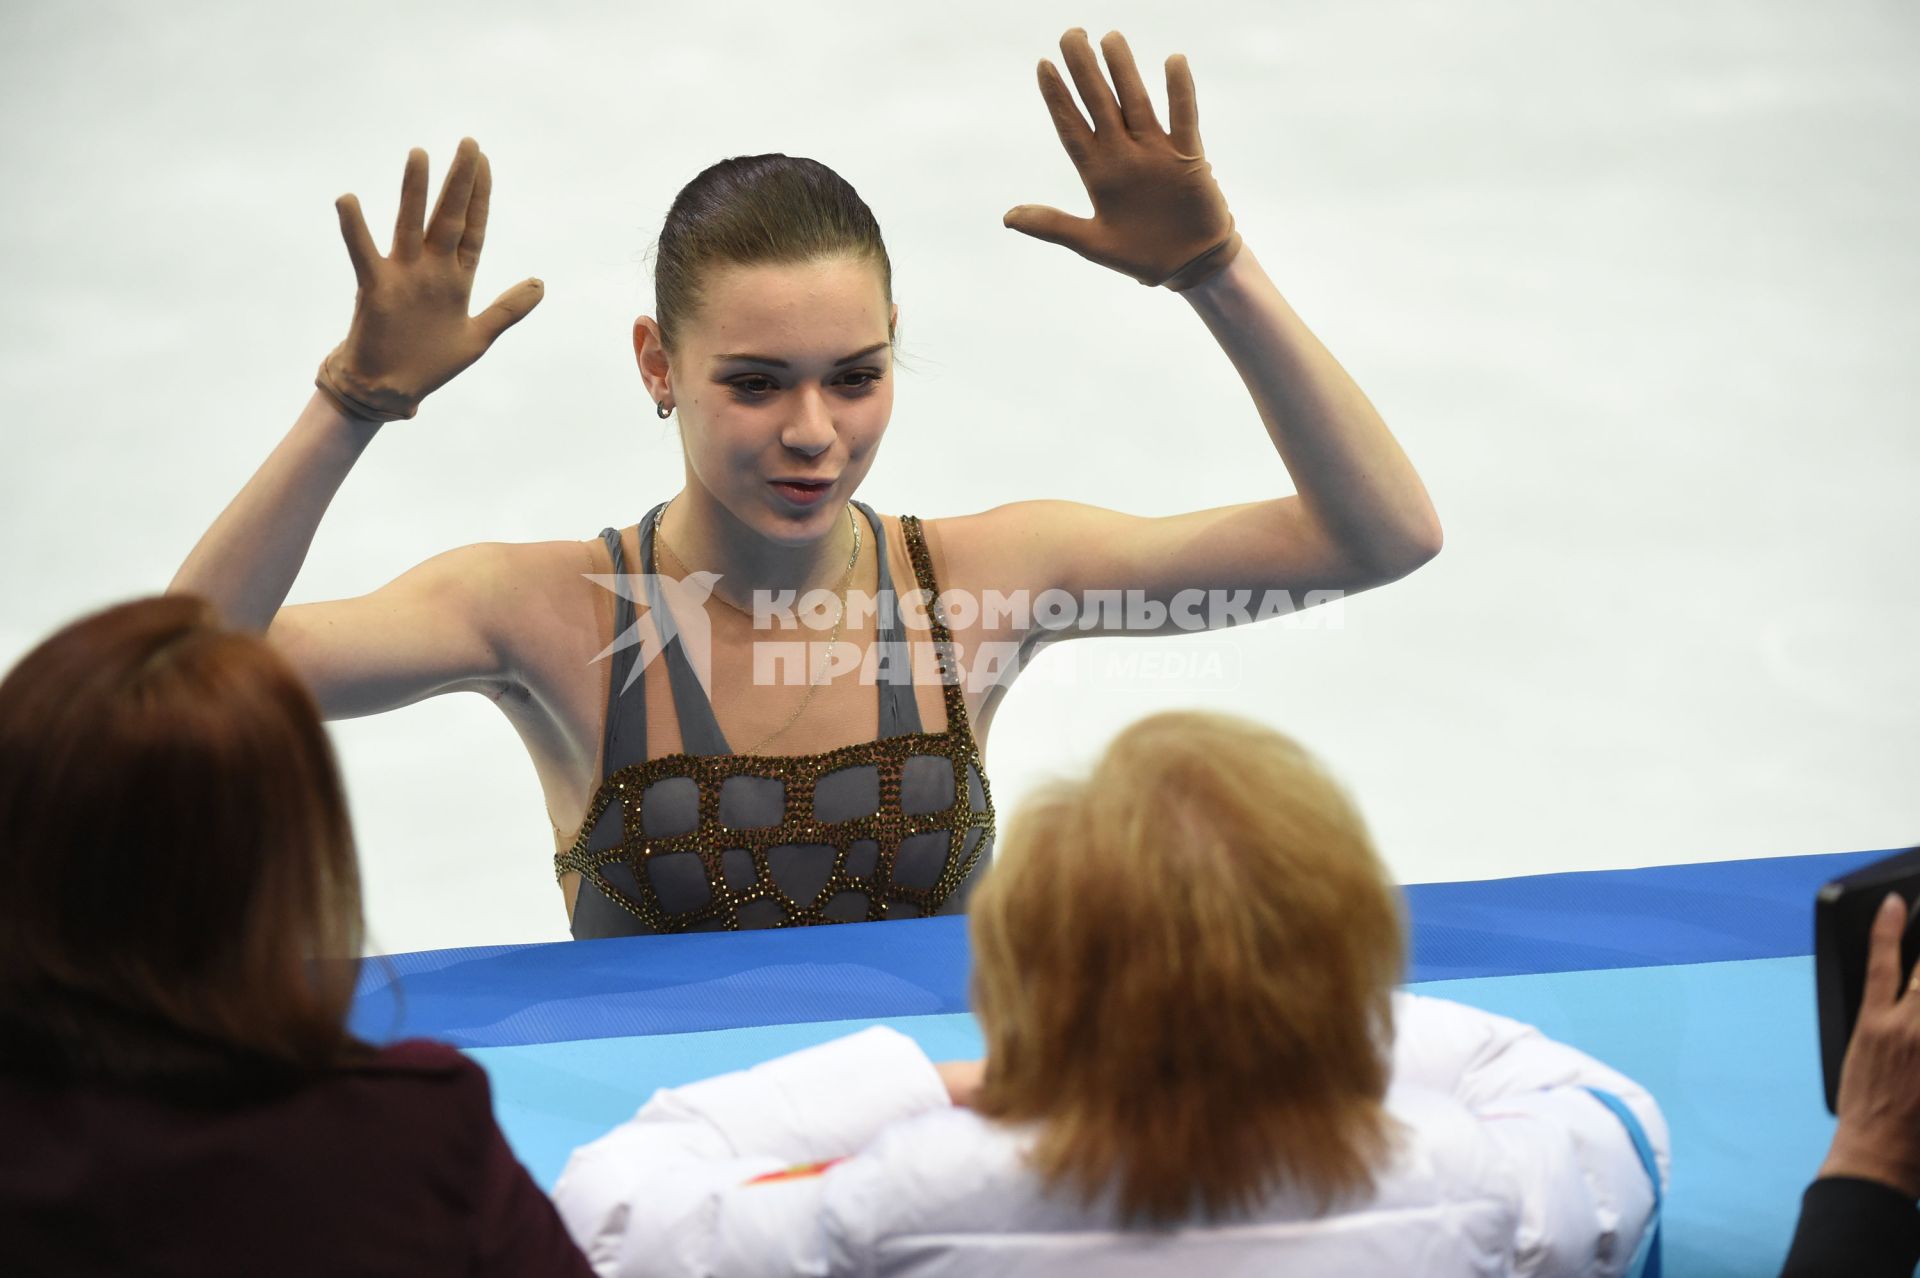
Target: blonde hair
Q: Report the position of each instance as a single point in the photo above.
(1183, 967)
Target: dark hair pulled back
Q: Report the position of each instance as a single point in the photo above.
(750, 210)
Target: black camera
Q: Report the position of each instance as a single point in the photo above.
(1842, 921)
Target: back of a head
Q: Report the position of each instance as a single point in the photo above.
(1183, 967)
(178, 885)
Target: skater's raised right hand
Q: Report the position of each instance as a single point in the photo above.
(411, 333)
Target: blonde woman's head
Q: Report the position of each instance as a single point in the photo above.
(1183, 967)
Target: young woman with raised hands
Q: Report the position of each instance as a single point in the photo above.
(699, 790)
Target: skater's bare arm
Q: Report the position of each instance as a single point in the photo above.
(433, 628)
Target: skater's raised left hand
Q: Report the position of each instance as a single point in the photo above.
(1158, 215)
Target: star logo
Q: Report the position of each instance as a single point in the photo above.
(682, 618)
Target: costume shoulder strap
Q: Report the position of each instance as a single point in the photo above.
(936, 616)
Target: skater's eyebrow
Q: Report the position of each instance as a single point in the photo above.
(781, 363)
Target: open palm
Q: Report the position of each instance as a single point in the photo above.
(1158, 214)
(411, 333)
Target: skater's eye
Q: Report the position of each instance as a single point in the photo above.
(755, 386)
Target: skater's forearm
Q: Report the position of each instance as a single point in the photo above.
(1345, 464)
(248, 559)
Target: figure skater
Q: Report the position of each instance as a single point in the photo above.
(696, 792)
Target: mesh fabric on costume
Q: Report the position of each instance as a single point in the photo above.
(707, 839)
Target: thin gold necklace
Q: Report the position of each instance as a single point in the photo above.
(813, 685)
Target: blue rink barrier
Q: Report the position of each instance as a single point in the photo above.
(1694, 980)
(496, 996)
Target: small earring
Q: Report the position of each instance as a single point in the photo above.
(660, 406)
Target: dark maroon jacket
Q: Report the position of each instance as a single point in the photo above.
(391, 1166)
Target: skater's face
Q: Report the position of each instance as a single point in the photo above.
(786, 373)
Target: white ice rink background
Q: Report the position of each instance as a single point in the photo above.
(1634, 285)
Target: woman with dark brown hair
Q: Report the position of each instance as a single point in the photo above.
(715, 772)
(1196, 1063)
(180, 930)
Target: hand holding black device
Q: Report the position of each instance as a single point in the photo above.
(1857, 1217)
(1843, 917)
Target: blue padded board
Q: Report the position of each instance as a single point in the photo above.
(495, 996)
(1693, 979)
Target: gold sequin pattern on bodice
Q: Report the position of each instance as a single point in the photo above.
(886, 826)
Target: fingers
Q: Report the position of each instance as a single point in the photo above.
(1136, 108)
(413, 204)
(1085, 70)
(1075, 136)
(449, 220)
(509, 309)
(1049, 224)
(1183, 114)
(475, 233)
(1883, 953)
(360, 246)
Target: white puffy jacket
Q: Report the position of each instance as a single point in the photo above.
(1508, 1166)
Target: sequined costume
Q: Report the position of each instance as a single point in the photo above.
(709, 840)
